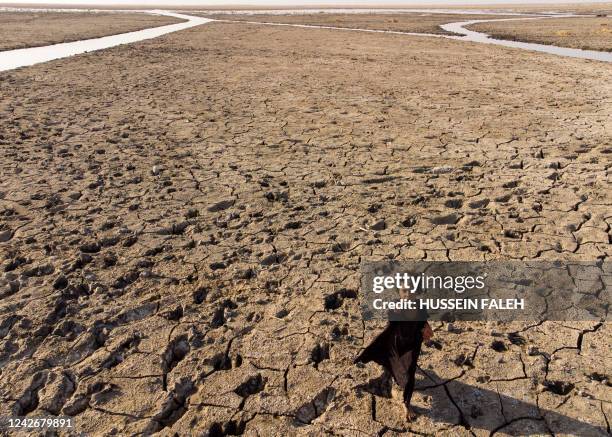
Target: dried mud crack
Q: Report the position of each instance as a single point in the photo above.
(180, 242)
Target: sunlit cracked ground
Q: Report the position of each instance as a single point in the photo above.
(176, 213)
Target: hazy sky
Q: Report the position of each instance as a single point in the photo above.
(338, 3)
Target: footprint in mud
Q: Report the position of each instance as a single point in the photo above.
(117, 356)
(319, 353)
(317, 406)
(175, 352)
(335, 300)
(174, 406)
(29, 400)
(251, 386)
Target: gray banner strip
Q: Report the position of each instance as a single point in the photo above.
(494, 290)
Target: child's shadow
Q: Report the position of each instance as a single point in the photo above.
(455, 402)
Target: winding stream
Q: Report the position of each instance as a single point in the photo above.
(350, 29)
(458, 28)
(479, 37)
(11, 59)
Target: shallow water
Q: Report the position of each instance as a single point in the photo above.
(12, 59)
(473, 36)
(479, 37)
(315, 26)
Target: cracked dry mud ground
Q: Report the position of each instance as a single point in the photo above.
(181, 241)
(32, 29)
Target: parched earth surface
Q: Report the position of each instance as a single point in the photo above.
(181, 241)
(32, 29)
(400, 22)
(594, 33)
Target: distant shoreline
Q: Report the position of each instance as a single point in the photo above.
(324, 5)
